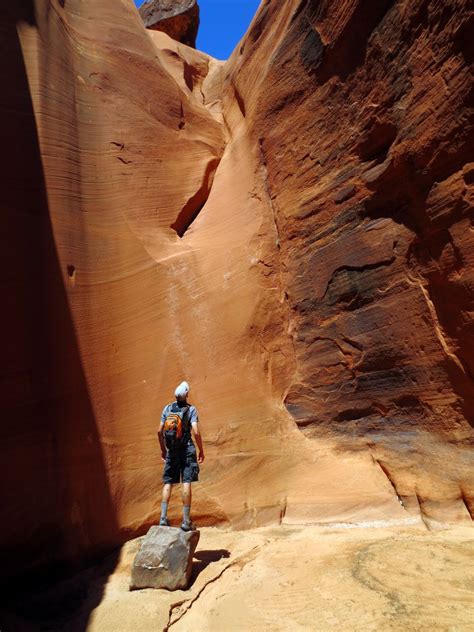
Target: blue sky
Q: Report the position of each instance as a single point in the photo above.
(223, 22)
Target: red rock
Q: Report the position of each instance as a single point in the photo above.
(89, 191)
(168, 217)
(374, 99)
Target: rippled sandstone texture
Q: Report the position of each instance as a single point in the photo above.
(289, 231)
(366, 139)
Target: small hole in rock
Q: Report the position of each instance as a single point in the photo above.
(71, 270)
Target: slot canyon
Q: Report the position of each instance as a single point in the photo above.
(291, 231)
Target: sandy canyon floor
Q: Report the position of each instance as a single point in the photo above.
(284, 578)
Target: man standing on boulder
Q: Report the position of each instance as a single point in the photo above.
(178, 452)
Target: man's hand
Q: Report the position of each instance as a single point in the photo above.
(197, 435)
(162, 442)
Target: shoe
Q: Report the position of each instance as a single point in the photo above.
(164, 522)
(187, 525)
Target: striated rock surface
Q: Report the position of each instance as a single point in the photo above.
(291, 232)
(165, 559)
(89, 192)
(177, 18)
(363, 115)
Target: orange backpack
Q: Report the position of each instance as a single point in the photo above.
(175, 426)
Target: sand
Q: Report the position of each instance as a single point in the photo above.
(286, 578)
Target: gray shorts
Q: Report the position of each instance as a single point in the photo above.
(181, 465)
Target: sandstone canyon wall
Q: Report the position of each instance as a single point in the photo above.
(289, 231)
(367, 140)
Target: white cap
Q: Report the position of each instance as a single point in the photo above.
(182, 390)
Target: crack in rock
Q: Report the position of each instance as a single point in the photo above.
(243, 559)
(390, 480)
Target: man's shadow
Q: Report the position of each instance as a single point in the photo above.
(204, 558)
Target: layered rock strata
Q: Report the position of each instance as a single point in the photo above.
(366, 139)
(98, 134)
(291, 232)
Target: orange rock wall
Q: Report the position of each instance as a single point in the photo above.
(169, 217)
(98, 134)
(363, 115)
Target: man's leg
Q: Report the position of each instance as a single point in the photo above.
(165, 498)
(187, 497)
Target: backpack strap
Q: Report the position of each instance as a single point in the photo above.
(186, 414)
(187, 425)
(173, 407)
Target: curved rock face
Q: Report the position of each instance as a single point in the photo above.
(78, 232)
(366, 137)
(177, 18)
(291, 232)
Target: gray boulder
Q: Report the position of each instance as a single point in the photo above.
(177, 18)
(165, 559)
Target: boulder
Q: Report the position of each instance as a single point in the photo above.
(165, 559)
(177, 18)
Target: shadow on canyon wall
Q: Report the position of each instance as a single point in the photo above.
(54, 493)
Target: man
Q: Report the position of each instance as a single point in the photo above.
(178, 452)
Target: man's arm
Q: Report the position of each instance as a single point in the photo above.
(197, 436)
(161, 439)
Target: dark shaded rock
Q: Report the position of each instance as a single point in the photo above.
(177, 18)
(165, 559)
(366, 141)
(345, 193)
